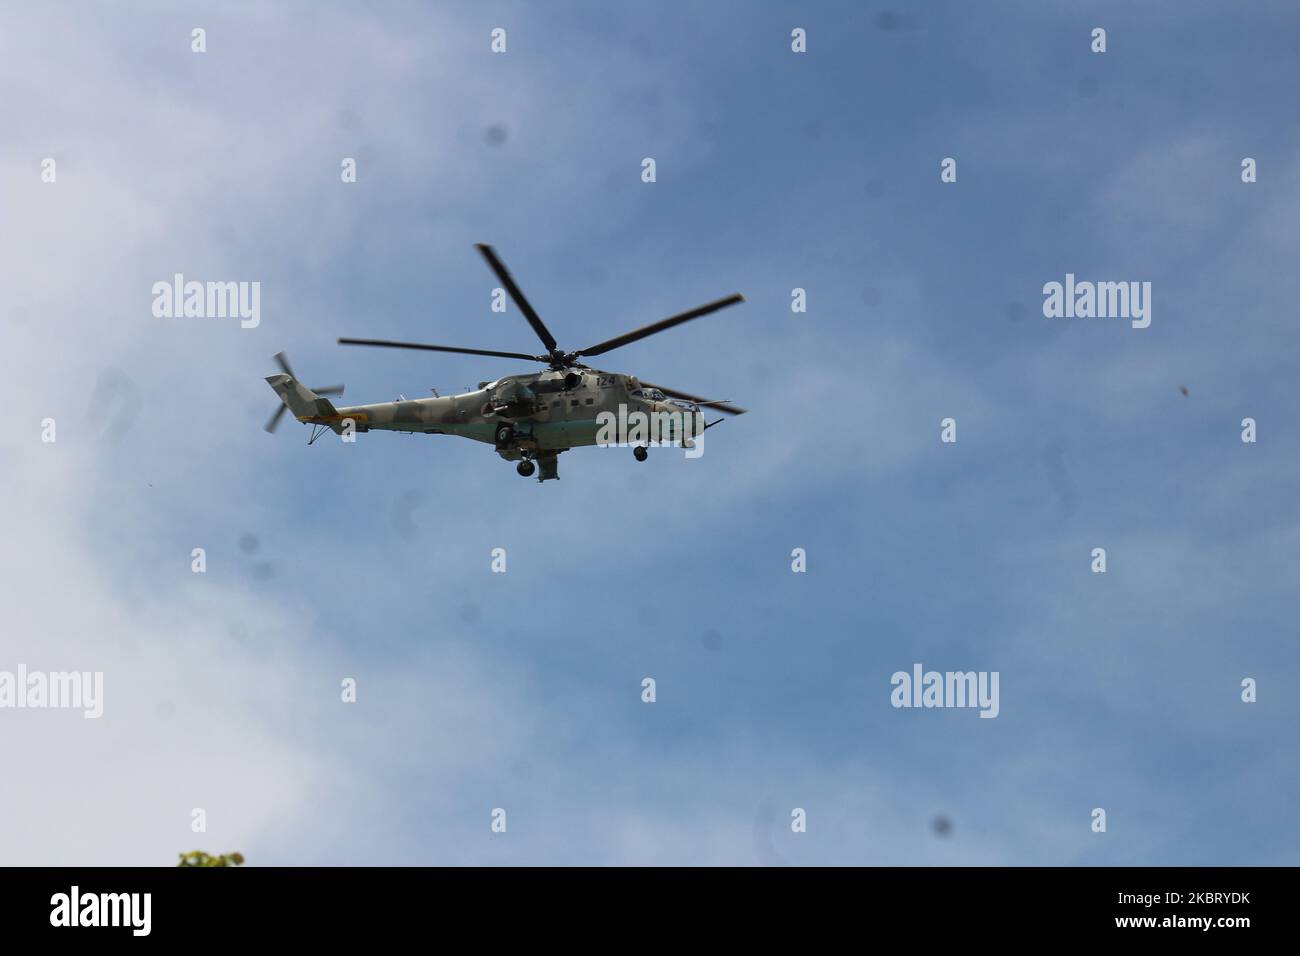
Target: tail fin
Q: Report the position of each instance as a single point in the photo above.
(302, 401)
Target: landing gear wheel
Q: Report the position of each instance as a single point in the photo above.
(504, 434)
(640, 452)
(526, 468)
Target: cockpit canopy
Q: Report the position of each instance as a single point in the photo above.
(649, 394)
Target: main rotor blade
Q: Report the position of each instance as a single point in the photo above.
(275, 419)
(687, 396)
(508, 281)
(284, 364)
(329, 390)
(443, 348)
(629, 337)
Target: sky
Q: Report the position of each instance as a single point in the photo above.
(521, 691)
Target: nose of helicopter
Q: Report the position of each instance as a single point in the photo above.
(692, 421)
(695, 423)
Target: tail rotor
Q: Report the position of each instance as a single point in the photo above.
(283, 362)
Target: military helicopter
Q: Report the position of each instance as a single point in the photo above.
(530, 418)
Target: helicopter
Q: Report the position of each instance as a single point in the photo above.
(531, 418)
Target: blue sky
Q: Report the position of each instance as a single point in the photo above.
(774, 171)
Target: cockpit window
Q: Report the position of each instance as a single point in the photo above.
(649, 394)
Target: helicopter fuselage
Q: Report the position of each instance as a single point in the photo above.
(544, 411)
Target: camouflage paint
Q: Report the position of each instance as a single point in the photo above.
(548, 412)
